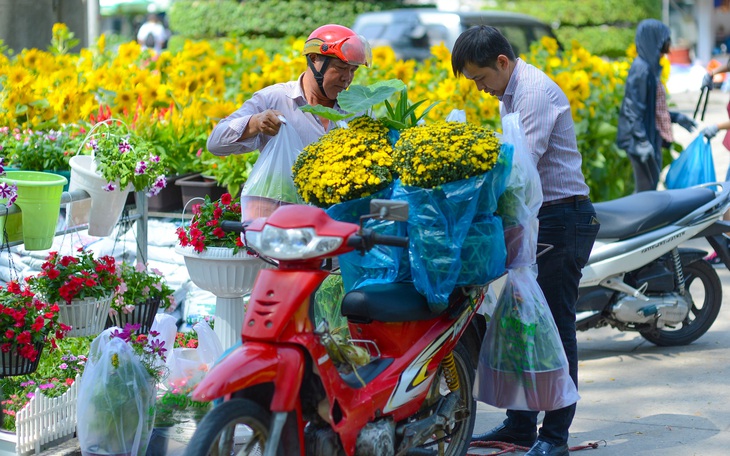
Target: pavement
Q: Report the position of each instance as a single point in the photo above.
(637, 399)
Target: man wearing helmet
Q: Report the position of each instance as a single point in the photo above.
(333, 54)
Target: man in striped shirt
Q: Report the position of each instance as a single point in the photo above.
(567, 220)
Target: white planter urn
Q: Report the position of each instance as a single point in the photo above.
(229, 277)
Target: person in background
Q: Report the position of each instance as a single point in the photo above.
(711, 131)
(152, 34)
(567, 220)
(333, 55)
(645, 122)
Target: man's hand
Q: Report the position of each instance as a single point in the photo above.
(266, 122)
(686, 122)
(710, 131)
(644, 150)
(707, 81)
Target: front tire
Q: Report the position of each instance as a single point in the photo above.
(238, 426)
(704, 289)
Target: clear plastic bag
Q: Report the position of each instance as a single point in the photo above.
(270, 183)
(187, 366)
(116, 400)
(522, 363)
(519, 204)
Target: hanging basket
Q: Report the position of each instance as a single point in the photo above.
(39, 199)
(11, 363)
(103, 209)
(85, 316)
(143, 314)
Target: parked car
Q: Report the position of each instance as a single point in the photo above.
(412, 31)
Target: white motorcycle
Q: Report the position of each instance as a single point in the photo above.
(640, 278)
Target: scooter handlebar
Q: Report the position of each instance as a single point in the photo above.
(367, 239)
(233, 226)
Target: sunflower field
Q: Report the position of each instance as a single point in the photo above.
(174, 99)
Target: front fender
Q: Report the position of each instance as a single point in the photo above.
(254, 363)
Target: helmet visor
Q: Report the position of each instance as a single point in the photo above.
(354, 50)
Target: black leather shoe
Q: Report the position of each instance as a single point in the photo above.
(502, 433)
(543, 448)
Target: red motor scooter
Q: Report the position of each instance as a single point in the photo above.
(281, 392)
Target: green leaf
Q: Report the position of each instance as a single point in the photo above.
(359, 98)
(327, 113)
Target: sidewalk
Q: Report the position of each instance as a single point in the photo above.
(642, 400)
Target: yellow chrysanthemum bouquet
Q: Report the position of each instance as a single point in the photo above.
(452, 174)
(345, 164)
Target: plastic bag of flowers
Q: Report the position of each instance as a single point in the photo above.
(116, 400)
(342, 172)
(270, 182)
(452, 174)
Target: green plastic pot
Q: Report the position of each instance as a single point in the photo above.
(39, 200)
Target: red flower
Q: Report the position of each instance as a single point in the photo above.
(204, 229)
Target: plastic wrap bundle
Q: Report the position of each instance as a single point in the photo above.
(455, 239)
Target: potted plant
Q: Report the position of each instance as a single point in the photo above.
(82, 286)
(120, 161)
(38, 194)
(217, 261)
(27, 324)
(117, 392)
(10, 224)
(142, 292)
(42, 150)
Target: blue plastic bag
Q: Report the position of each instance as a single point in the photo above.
(694, 166)
(382, 264)
(440, 222)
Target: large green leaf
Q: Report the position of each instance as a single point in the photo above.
(359, 98)
(327, 113)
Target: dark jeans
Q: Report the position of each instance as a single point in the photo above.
(571, 229)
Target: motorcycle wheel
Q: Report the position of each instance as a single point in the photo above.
(457, 441)
(705, 291)
(238, 426)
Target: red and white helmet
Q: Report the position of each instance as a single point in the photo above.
(337, 41)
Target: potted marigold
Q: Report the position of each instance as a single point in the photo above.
(217, 261)
(141, 294)
(83, 287)
(27, 324)
(119, 162)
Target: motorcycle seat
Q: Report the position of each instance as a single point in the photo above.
(390, 302)
(645, 211)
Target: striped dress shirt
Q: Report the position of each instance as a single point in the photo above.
(546, 119)
(287, 98)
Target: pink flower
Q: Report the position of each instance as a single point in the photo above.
(110, 187)
(141, 168)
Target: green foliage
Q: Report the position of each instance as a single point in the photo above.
(40, 150)
(271, 18)
(603, 27)
(605, 40)
(55, 373)
(230, 171)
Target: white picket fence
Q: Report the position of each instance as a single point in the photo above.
(44, 422)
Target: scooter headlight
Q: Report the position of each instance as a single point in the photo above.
(291, 243)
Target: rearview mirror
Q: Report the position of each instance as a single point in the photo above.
(384, 209)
